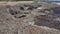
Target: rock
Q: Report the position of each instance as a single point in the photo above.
(55, 11)
(21, 8)
(49, 21)
(20, 16)
(27, 19)
(30, 8)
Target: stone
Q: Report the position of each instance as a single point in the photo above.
(46, 20)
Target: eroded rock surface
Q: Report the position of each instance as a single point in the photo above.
(21, 19)
(49, 21)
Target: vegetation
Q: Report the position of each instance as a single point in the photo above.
(15, 0)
